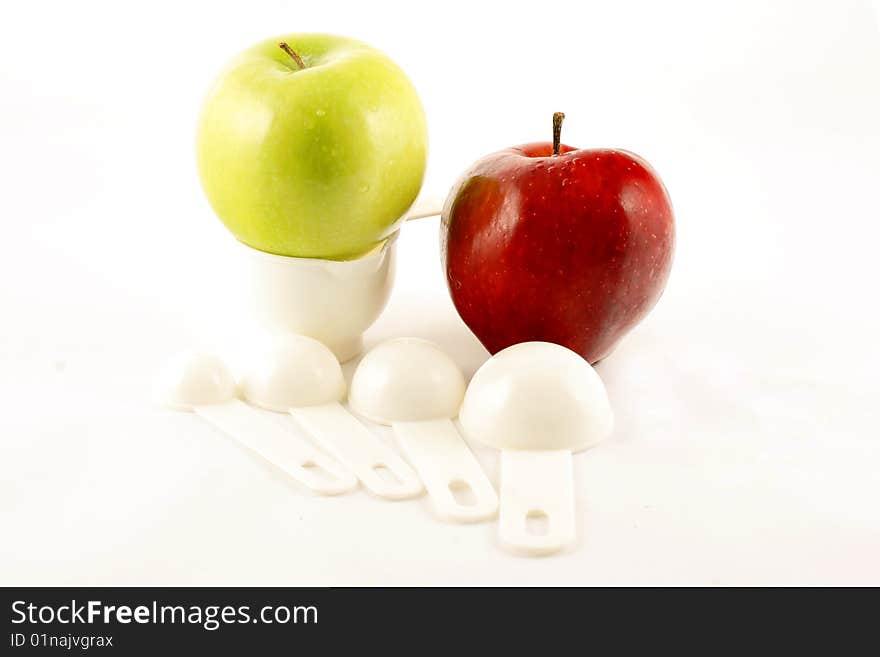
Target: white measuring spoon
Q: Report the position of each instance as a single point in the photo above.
(301, 376)
(201, 383)
(413, 386)
(537, 402)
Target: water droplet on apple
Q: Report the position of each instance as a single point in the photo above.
(363, 189)
(320, 112)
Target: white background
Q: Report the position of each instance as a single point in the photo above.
(747, 444)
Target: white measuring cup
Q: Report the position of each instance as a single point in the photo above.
(301, 376)
(333, 301)
(413, 386)
(201, 383)
(537, 402)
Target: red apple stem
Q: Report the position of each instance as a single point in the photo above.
(557, 130)
(290, 51)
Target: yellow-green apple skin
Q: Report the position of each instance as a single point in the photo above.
(318, 162)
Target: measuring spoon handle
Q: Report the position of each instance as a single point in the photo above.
(457, 485)
(381, 470)
(292, 453)
(537, 501)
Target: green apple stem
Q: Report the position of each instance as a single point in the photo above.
(300, 64)
(557, 130)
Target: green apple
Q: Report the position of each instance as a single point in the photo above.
(312, 145)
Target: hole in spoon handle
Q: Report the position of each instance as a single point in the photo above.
(381, 470)
(449, 469)
(537, 501)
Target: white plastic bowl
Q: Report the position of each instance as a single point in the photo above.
(406, 380)
(192, 379)
(537, 396)
(294, 371)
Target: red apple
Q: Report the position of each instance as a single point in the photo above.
(548, 242)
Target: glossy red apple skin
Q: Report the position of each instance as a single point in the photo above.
(573, 248)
